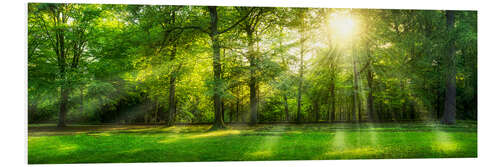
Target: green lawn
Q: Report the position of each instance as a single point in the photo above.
(115, 143)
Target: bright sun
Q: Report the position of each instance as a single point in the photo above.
(343, 25)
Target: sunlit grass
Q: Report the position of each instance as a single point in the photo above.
(215, 134)
(354, 152)
(263, 142)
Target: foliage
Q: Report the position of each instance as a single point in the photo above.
(155, 64)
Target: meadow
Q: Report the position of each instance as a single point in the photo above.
(239, 142)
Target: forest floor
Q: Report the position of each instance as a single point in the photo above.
(142, 143)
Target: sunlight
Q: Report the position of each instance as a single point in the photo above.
(445, 146)
(262, 154)
(67, 148)
(269, 143)
(339, 139)
(170, 139)
(98, 134)
(372, 134)
(443, 141)
(216, 133)
(344, 25)
(354, 152)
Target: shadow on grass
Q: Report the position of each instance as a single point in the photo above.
(281, 128)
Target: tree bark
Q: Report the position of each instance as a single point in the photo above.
(301, 72)
(63, 107)
(81, 100)
(299, 98)
(238, 106)
(61, 61)
(171, 102)
(451, 85)
(214, 36)
(253, 79)
(316, 110)
(355, 86)
(369, 79)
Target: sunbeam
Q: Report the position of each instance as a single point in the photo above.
(268, 143)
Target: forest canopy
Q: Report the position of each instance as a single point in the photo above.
(161, 64)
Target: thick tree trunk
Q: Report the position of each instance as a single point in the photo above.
(63, 107)
(253, 92)
(171, 95)
(451, 85)
(355, 84)
(63, 104)
(214, 36)
(171, 102)
(253, 80)
(369, 79)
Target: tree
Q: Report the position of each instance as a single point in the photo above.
(67, 28)
(451, 83)
(214, 34)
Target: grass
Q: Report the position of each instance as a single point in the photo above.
(129, 143)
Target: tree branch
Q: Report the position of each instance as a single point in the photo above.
(238, 22)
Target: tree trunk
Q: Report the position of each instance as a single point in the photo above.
(355, 91)
(299, 98)
(171, 95)
(171, 102)
(81, 100)
(316, 110)
(356, 94)
(352, 115)
(63, 107)
(369, 79)
(253, 87)
(451, 85)
(332, 101)
(214, 36)
(237, 108)
(301, 75)
(222, 110)
(287, 116)
(157, 108)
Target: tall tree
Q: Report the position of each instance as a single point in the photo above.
(451, 83)
(302, 51)
(250, 26)
(214, 34)
(67, 28)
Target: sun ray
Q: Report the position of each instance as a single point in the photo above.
(269, 143)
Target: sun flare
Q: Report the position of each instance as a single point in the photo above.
(344, 25)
